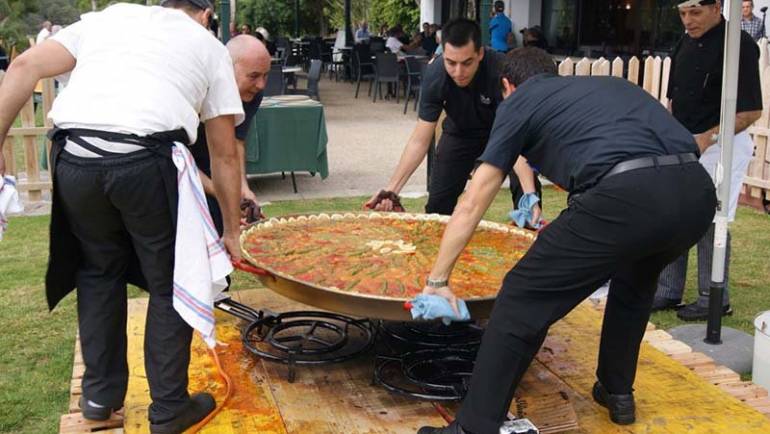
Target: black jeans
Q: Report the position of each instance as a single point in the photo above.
(117, 207)
(456, 157)
(627, 228)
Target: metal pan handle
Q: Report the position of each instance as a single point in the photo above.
(244, 266)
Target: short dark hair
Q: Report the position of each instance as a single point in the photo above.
(522, 63)
(460, 31)
(499, 6)
(191, 5)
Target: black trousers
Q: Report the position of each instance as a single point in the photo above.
(627, 228)
(456, 157)
(118, 207)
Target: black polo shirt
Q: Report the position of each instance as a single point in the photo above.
(200, 150)
(470, 110)
(574, 129)
(695, 83)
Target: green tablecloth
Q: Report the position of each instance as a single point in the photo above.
(287, 138)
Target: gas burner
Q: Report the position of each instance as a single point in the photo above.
(307, 338)
(434, 334)
(431, 374)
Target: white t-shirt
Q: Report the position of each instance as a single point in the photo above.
(393, 44)
(42, 35)
(142, 70)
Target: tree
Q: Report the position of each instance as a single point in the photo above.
(394, 12)
(13, 29)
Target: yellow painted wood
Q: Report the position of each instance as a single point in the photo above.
(669, 397)
(250, 410)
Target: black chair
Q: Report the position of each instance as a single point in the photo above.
(376, 45)
(275, 81)
(362, 64)
(418, 51)
(414, 73)
(387, 71)
(313, 77)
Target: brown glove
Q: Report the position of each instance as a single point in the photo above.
(250, 211)
(393, 197)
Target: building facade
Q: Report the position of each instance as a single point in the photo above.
(590, 28)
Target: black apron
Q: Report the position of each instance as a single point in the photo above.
(64, 248)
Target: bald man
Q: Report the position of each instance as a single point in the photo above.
(251, 64)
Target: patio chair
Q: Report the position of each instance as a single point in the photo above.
(313, 77)
(275, 81)
(414, 72)
(387, 71)
(376, 45)
(364, 66)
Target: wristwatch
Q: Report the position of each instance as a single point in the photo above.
(436, 283)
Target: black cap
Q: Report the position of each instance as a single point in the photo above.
(200, 4)
(695, 3)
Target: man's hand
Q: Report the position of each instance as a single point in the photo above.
(385, 201)
(703, 140)
(382, 205)
(536, 213)
(233, 245)
(447, 293)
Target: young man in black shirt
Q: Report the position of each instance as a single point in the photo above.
(251, 64)
(638, 199)
(463, 82)
(695, 92)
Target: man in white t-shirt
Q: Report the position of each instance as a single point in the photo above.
(142, 78)
(393, 44)
(44, 33)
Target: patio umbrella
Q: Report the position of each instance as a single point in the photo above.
(726, 133)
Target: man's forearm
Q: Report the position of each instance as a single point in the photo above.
(525, 174)
(227, 185)
(208, 185)
(45, 60)
(414, 152)
(743, 120)
(466, 216)
(18, 85)
(240, 146)
(225, 170)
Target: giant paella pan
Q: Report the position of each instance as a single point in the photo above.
(370, 264)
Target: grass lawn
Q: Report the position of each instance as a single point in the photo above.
(36, 356)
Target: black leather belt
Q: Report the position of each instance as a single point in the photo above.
(656, 161)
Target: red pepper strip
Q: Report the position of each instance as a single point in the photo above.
(243, 266)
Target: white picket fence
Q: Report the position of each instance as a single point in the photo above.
(655, 73)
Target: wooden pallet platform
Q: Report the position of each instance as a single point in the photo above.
(73, 422)
(705, 367)
(677, 390)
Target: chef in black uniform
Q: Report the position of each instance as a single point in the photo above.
(638, 199)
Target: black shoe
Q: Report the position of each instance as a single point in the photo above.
(199, 406)
(694, 312)
(92, 412)
(660, 304)
(621, 407)
(453, 428)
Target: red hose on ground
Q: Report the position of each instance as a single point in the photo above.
(443, 412)
(229, 392)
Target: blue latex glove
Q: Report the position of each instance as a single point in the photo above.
(523, 214)
(428, 307)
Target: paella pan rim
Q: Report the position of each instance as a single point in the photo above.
(358, 304)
